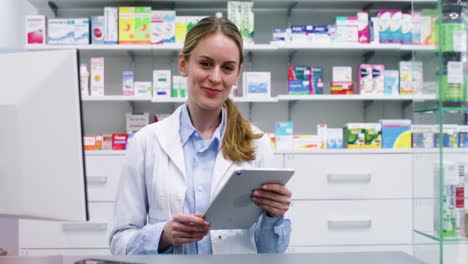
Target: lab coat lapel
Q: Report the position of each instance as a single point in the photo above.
(169, 139)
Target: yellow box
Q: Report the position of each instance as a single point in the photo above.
(126, 25)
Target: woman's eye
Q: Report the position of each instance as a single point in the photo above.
(228, 68)
(205, 64)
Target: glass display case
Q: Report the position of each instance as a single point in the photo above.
(440, 136)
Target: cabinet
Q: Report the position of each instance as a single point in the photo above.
(363, 198)
(440, 170)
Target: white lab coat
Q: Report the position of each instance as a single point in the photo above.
(153, 184)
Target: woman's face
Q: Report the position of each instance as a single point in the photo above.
(211, 71)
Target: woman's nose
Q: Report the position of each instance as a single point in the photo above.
(215, 75)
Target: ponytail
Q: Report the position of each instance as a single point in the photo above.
(238, 139)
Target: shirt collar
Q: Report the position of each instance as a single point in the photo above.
(187, 129)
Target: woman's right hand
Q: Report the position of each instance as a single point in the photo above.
(183, 229)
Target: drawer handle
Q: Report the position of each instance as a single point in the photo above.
(349, 224)
(96, 179)
(84, 227)
(349, 177)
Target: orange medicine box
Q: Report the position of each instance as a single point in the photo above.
(127, 25)
(92, 142)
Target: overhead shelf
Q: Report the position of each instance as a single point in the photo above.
(353, 97)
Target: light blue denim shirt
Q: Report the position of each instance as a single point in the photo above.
(271, 234)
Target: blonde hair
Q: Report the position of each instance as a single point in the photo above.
(238, 139)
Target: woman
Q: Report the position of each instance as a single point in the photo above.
(174, 167)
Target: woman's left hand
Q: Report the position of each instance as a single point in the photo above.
(274, 198)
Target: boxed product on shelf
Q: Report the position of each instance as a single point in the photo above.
(127, 83)
(36, 30)
(97, 30)
(183, 24)
(142, 25)
(142, 89)
(428, 24)
(396, 133)
(163, 26)
(389, 26)
(126, 25)
(97, 76)
(395, 26)
(322, 132)
(316, 83)
(162, 83)
(447, 212)
(179, 86)
(342, 88)
(391, 82)
(307, 142)
(334, 138)
(107, 142)
(423, 136)
(354, 135)
(242, 15)
(372, 135)
(81, 31)
(378, 78)
(84, 80)
(299, 34)
(136, 121)
(60, 31)
(374, 30)
(299, 78)
(416, 28)
(280, 36)
(321, 34)
(411, 77)
(256, 84)
(463, 136)
(346, 29)
(363, 27)
(342, 74)
(449, 136)
(92, 142)
(119, 141)
(406, 28)
(284, 135)
(111, 25)
(365, 79)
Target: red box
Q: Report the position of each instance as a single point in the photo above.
(119, 141)
(342, 88)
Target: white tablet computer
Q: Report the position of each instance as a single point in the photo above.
(233, 207)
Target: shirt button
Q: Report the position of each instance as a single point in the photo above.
(200, 188)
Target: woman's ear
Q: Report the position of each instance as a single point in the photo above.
(182, 65)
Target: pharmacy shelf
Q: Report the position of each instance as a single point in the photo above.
(115, 98)
(437, 150)
(353, 97)
(254, 47)
(235, 99)
(344, 151)
(353, 46)
(105, 152)
(168, 100)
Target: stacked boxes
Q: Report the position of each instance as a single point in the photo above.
(364, 135)
(396, 133)
(142, 25)
(242, 15)
(299, 80)
(256, 84)
(162, 26)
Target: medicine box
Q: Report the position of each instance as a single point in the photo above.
(284, 135)
(111, 25)
(396, 133)
(162, 83)
(36, 30)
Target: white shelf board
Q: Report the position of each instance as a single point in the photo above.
(254, 100)
(168, 100)
(105, 152)
(344, 151)
(113, 98)
(352, 46)
(351, 97)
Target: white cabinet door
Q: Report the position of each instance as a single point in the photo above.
(37, 234)
(278, 160)
(354, 222)
(103, 174)
(350, 176)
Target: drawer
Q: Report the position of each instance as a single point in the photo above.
(319, 249)
(103, 174)
(371, 222)
(65, 252)
(350, 176)
(37, 234)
